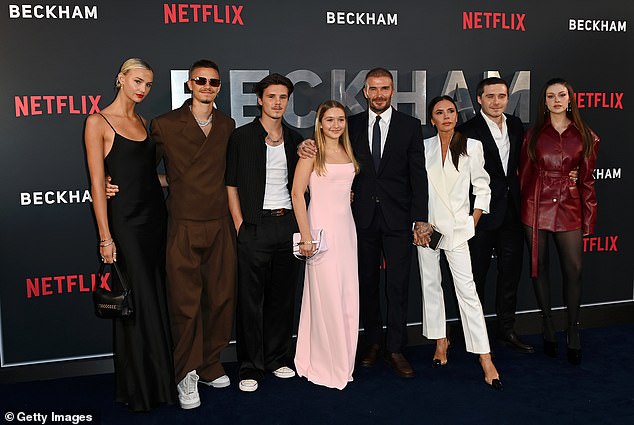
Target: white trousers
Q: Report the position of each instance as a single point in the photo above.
(434, 326)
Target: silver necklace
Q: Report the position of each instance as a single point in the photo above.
(202, 123)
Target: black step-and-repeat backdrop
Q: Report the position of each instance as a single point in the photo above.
(59, 63)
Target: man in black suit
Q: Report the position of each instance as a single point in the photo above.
(390, 201)
(501, 230)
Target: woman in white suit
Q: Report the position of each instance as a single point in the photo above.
(454, 164)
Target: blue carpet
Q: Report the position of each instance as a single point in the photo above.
(537, 390)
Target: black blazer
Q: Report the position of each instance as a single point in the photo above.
(400, 184)
(502, 185)
(246, 165)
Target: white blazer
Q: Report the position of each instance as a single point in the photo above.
(449, 190)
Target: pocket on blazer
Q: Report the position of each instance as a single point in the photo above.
(574, 191)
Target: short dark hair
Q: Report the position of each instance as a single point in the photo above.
(490, 82)
(379, 72)
(273, 80)
(203, 63)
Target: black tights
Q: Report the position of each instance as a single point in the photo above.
(569, 249)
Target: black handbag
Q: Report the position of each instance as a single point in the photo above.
(116, 303)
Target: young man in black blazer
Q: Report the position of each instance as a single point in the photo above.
(261, 160)
(501, 230)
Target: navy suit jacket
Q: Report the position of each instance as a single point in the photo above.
(502, 185)
(400, 183)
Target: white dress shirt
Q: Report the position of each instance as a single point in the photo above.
(501, 138)
(384, 124)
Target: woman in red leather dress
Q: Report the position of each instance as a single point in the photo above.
(555, 204)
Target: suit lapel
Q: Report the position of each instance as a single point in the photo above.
(515, 139)
(451, 174)
(362, 144)
(492, 153)
(192, 133)
(435, 174)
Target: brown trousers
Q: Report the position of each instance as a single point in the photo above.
(201, 285)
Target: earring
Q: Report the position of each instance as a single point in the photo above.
(569, 108)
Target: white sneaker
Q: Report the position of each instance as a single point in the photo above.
(284, 372)
(248, 385)
(220, 382)
(188, 391)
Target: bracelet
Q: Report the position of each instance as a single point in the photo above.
(105, 240)
(306, 243)
(103, 245)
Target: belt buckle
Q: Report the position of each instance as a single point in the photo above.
(278, 212)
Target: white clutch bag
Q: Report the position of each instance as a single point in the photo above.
(319, 242)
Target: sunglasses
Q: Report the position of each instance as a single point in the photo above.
(201, 81)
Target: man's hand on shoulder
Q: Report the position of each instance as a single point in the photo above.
(307, 149)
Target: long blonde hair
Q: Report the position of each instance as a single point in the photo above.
(320, 139)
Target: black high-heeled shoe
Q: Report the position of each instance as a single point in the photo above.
(574, 354)
(495, 384)
(437, 362)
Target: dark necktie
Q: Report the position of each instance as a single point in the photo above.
(376, 143)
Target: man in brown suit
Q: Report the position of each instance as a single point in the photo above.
(201, 251)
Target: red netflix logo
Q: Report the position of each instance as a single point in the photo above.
(56, 105)
(67, 284)
(493, 20)
(183, 13)
(600, 244)
(599, 100)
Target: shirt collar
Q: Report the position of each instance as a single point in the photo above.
(490, 122)
(386, 116)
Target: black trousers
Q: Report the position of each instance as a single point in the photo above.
(267, 278)
(508, 243)
(396, 246)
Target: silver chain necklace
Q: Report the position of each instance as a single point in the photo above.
(202, 123)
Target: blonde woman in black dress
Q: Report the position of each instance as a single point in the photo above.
(132, 232)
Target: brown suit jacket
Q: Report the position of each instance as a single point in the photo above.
(195, 164)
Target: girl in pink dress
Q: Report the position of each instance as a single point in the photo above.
(329, 319)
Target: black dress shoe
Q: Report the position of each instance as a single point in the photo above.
(574, 356)
(513, 340)
(401, 366)
(370, 356)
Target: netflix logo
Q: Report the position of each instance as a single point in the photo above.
(600, 244)
(66, 284)
(56, 105)
(184, 13)
(493, 20)
(600, 100)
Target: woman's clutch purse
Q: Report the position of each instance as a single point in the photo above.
(435, 238)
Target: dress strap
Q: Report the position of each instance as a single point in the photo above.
(147, 133)
(104, 117)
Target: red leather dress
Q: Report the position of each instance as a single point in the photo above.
(550, 199)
